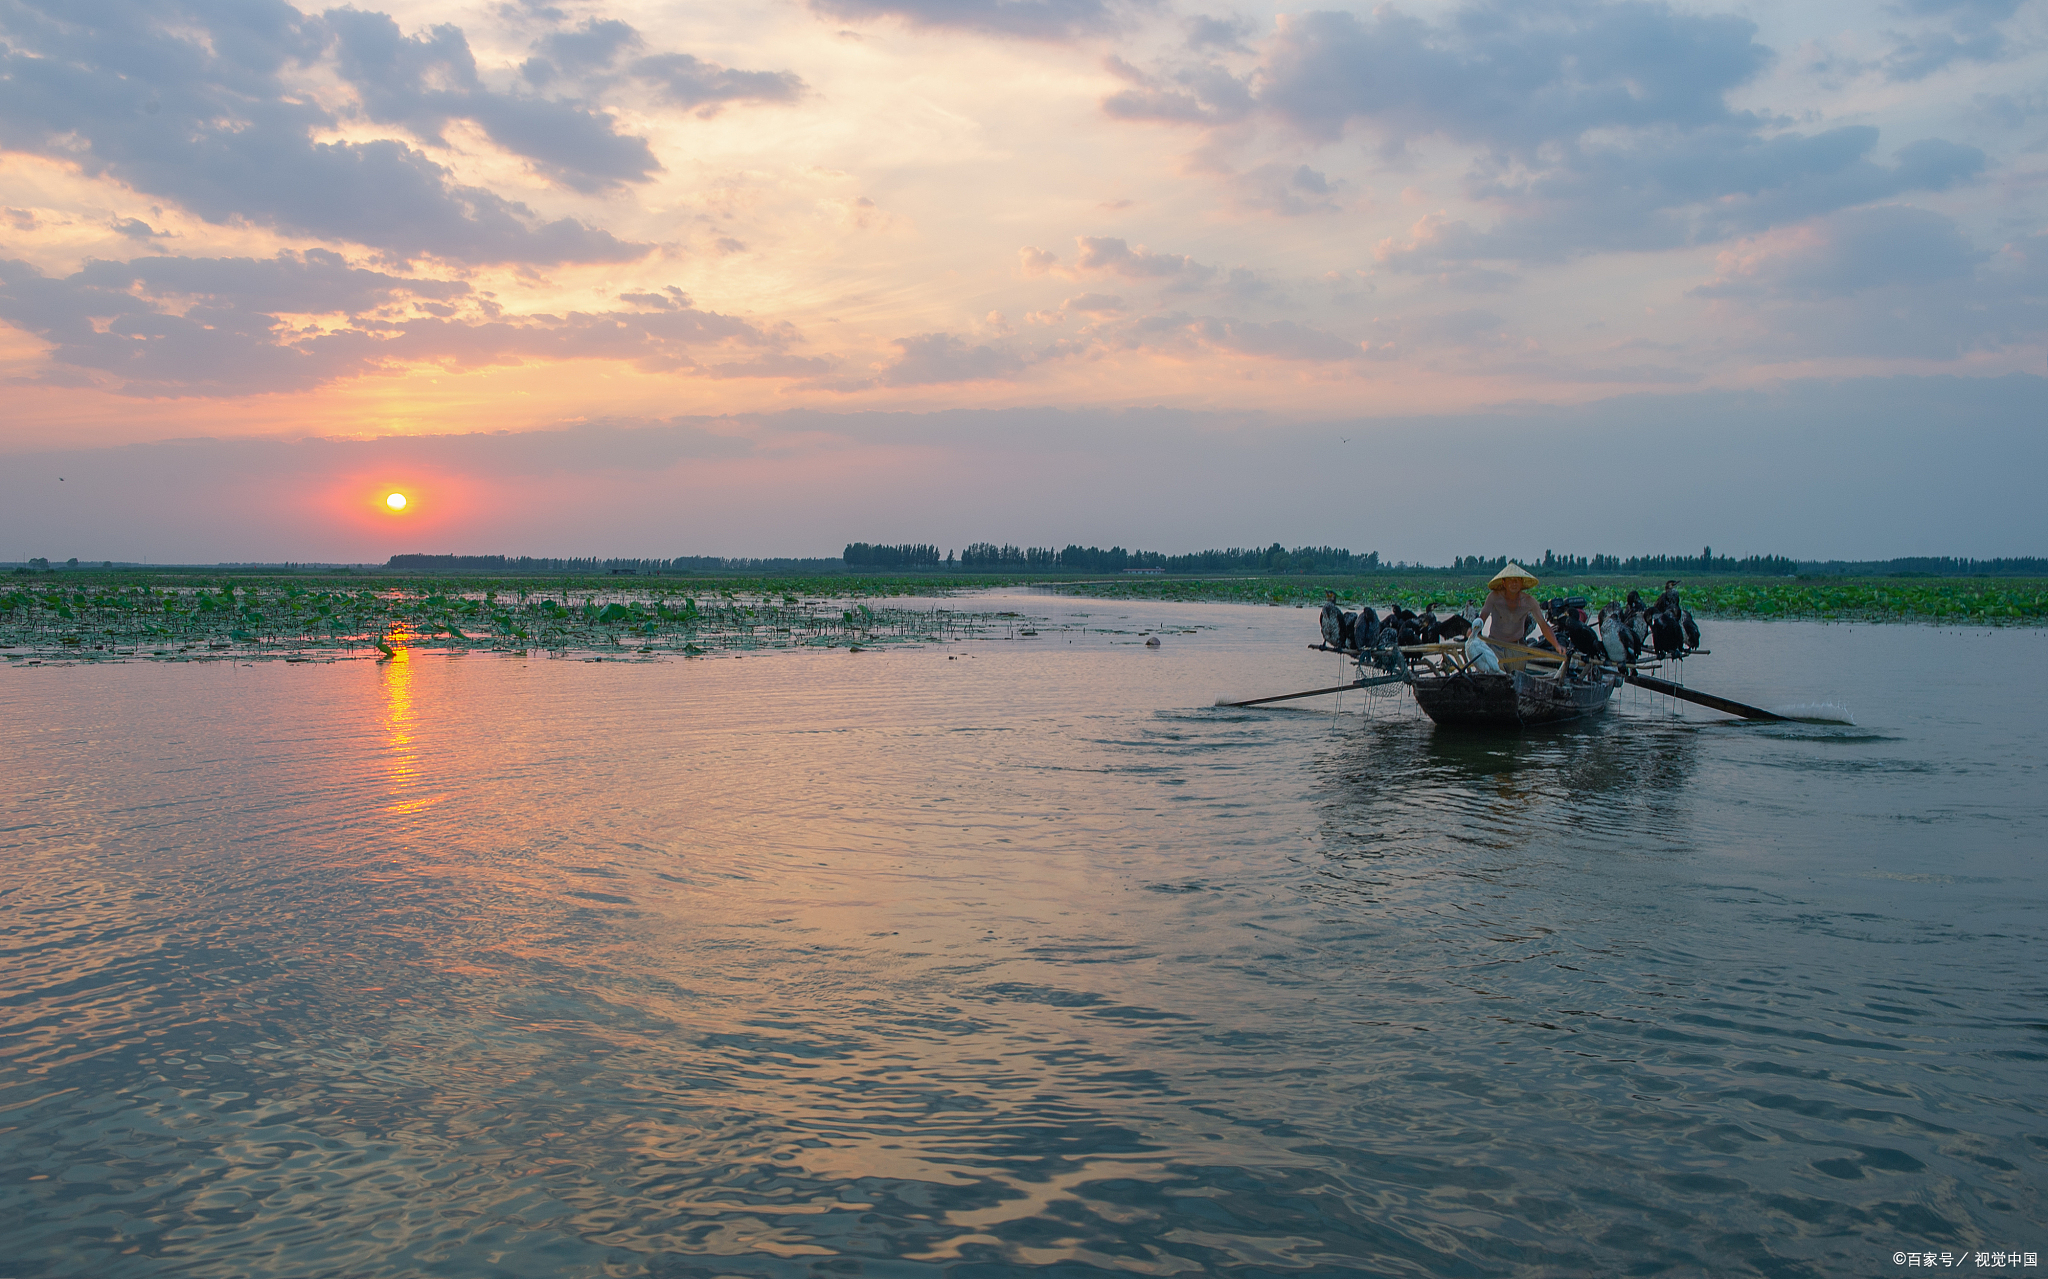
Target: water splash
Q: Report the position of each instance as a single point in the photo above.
(1815, 713)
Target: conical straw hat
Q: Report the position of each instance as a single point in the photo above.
(1513, 572)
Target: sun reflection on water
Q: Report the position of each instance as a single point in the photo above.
(402, 773)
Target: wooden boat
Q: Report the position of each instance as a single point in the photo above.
(1511, 699)
(1534, 686)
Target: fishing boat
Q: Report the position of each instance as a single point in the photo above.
(1532, 686)
(1488, 683)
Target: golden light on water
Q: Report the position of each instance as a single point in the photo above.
(396, 501)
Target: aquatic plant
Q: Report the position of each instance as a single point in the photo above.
(180, 618)
(1973, 600)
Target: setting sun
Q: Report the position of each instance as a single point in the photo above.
(396, 501)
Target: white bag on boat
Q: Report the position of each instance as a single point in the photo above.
(1479, 655)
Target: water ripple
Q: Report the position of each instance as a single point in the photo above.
(1027, 963)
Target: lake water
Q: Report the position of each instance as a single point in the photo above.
(1020, 956)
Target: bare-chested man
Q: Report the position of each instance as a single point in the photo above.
(1509, 608)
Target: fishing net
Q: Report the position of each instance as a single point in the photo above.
(1384, 658)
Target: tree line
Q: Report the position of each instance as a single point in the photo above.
(908, 555)
(990, 557)
(1930, 566)
(1705, 562)
(592, 564)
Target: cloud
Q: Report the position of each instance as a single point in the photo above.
(226, 131)
(216, 125)
(1847, 253)
(1290, 191)
(1915, 57)
(1594, 126)
(589, 47)
(1026, 19)
(1246, 285)
(1663, 192)
(133, 229)
(1469, 328)
(1094, 304)
(1113, 255)
(1444, 247)
(681, 79)
(1034, 261)
(1509, 74)
(95, 325)
(690, 82)
(422, 82)
(1202, 93)
(1886, 282)
(932, 358)
(778, 364)
(669, 299)
(1280, 340)
(1183, 336)
(1968, 33)
(173, 326)
(316, 282)
(1230, 32)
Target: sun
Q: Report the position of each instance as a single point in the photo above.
(396, 501)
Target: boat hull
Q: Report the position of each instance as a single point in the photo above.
(1474, 699)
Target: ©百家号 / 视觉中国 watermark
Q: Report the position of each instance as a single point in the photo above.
(1974, 1260)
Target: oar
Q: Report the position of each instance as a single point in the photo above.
(1726, 705)
(1318, 692)
(1684, 694)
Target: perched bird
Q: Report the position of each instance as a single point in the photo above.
(1691, 630)
(1667, 634)
(1635, 624)
(1611, 634)
(1456, 626)
(1365, 631)
(1333, 622)
(1580, 638)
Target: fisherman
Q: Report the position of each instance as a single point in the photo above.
(1509, 608)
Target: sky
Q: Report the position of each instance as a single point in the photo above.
(668, 279)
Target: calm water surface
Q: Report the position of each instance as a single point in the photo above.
(1019, 956)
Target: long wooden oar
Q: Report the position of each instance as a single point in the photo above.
(1319, 692)
(1684, 694)
(1726, 705)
